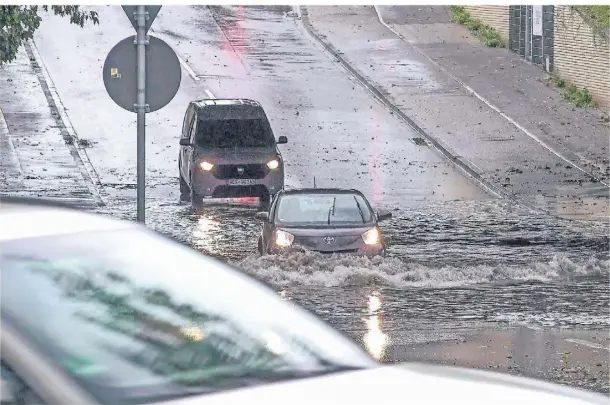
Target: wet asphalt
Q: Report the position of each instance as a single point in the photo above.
(467, 275)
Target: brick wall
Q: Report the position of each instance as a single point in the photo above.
(494, 16)
(581, 58)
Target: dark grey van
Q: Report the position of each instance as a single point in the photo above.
(228, 150)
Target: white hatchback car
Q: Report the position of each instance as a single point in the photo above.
(102, 311)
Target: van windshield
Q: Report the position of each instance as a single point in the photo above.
(234, 133)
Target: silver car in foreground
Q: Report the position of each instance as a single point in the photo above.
(101, 311)
(228, 150)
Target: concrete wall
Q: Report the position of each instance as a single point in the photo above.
(494, 16)
(581, 58)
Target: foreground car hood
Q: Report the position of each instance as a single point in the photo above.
(412, 383)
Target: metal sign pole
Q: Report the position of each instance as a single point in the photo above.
(141, 42)
(129, 65)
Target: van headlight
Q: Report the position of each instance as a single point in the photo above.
(371, 237)
(283, 238)
(273, 164)
(206, 166)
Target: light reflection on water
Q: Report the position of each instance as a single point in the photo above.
(375, 341)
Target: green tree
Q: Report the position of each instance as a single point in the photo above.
(18, 24)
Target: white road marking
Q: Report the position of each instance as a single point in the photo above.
(4, 129)
(183, 63)
(188, 69)
(588, 344)
(486, 102)
(209, 93)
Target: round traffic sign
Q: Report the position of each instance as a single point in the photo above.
(163, 73)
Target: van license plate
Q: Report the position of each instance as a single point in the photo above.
(242, 182)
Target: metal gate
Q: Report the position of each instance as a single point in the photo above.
(531, 34)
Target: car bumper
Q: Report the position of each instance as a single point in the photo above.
(206, 185)
(365, 250)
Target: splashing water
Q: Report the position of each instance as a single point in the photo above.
(312, 268)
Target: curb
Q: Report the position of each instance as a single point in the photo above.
(466, 166)
(63, 121)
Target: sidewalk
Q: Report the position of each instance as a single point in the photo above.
(35, 159)
(518, 88)
(423, 82)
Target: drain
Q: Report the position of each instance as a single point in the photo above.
(419, 141)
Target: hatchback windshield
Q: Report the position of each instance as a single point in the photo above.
(234, 133)
(109, 309)
(341, 209)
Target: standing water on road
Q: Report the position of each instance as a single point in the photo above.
(448, 263)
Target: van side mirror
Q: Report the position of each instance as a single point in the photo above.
(185, 142)
(382, 215)
(282, 140)
(262, 216)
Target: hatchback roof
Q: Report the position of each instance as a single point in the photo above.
(322, 191)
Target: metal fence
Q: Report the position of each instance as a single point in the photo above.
(531, 34)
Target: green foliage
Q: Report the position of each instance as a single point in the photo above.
(578, 97)
(488, 35)
(558, 81)
(597, 17)
(459, 15)
(18, 24)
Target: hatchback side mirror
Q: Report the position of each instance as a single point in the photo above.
(185, 142)
(262, 216)
(282, 140)
(382, 215)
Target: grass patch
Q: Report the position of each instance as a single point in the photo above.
(579, 97)
(488, 35)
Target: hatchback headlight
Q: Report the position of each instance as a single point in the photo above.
(283, 238)
(371, 237)
(273, 164)
(206, 166)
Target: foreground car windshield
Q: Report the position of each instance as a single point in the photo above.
(234, 133)
(341, 209)
(110, 309)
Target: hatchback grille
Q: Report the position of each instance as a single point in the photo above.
(337, 251)
(250, 171)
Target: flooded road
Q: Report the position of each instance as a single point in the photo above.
(442, 267)
(447, 283)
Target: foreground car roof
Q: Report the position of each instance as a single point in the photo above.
(31, 218)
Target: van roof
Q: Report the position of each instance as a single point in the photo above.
(225, 101)
(222, 109)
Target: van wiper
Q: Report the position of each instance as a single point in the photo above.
(332, 209)
(360, 210)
